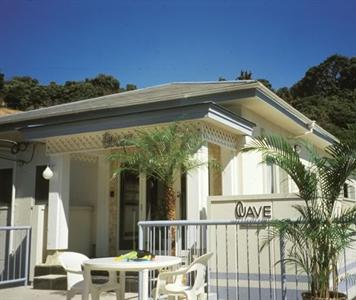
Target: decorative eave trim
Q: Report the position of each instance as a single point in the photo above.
(82, 145)
(235, 123)
(145, 118)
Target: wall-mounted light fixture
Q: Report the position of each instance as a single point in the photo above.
(47, 173)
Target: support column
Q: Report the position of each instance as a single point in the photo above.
(102, 207)
(177, 188)
(252, 181)
(198, 187)
(142, 197)
(58, 203)
(230, 172)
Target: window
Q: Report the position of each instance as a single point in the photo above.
(42, 186)
(349, 191)
(215, 176)
(271, 179)
(5, 187)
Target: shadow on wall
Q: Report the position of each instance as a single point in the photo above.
(203, 214)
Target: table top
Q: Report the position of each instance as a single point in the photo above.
(110, 263)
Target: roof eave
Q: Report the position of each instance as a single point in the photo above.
(193, 111)
(274, 100)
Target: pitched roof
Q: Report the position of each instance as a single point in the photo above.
(156, 97)
(153, 94)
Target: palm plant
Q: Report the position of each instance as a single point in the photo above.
(161, 153)
(322, 231)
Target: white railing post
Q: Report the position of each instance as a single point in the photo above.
(140, 247)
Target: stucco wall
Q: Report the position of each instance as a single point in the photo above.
(82, 201)
(25, 185)
(83, 183)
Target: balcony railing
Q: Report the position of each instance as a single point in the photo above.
(239, 268)
(14, 254)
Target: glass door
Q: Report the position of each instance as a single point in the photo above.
(129, 210)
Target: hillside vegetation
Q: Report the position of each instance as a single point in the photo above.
(326, 93)
(26, 93)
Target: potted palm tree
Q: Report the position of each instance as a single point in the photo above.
(323, 229)
(161, 153)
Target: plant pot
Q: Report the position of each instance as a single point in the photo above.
(332, 295)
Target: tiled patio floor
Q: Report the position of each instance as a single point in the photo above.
(28, 293)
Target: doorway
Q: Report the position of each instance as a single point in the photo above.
(154, 206)
(129, 210)
(5, 196)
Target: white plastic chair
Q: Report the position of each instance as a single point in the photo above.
(72, 263)
(171, 283)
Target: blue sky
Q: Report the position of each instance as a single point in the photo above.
(154, 41)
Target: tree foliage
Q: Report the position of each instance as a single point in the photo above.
(327, 94)
(244, 75)
(2, 79)
(323, 230)
(161, 153)
(26, 93)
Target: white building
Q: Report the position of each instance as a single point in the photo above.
(81, 208)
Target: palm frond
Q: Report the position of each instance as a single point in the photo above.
(320, 234)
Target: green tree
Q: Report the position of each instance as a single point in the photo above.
(285, 94)
(266, 83)
(327, 94)
(2, 81)
(323, 79)
(161, 153)
(22, 92)
(104, 84)
(25, 93)
(130, 87)
(322, 232)
(245, 75)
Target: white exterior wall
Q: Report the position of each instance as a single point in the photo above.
(252, 172)
(102, 207)
(58, 203)
(83, 195)
(198, 188)
(83, 188)
(230, 172)
(255, 175)
(25, 184)
(23, 209)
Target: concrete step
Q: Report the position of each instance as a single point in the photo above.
(50, 282)
(44, 269)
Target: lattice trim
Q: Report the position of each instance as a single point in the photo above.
(84, 157)
(79, 142)
(97, 141)
(219, 136)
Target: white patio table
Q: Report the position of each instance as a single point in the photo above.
(112, 266)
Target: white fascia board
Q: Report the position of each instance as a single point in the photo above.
(226, 121)
(265, 94)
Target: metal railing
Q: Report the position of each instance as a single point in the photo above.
(239, 268)
(14, 254)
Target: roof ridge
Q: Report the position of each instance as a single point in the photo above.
(212, 82)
